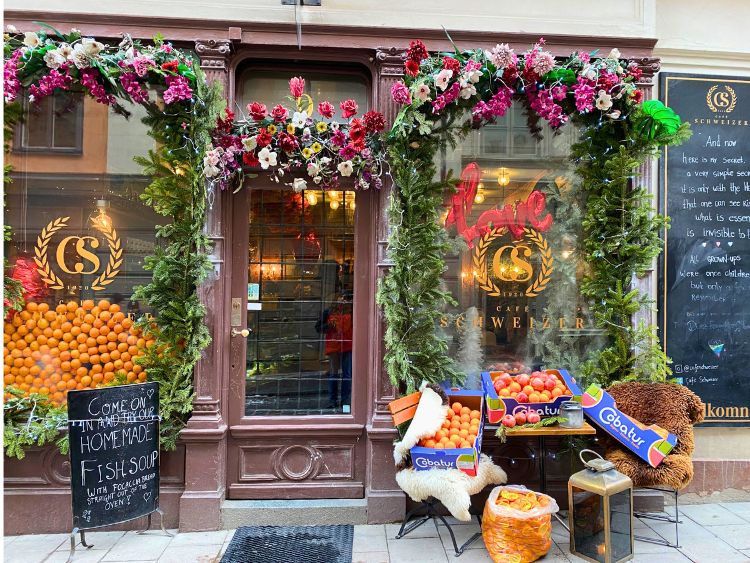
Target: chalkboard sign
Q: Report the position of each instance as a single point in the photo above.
(705, 275)
(114, 453)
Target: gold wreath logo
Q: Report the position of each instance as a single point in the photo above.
(533, 236)
(42, 260)
(721, 100)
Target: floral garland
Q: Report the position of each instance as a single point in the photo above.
(283, 141)
(181, 117)
(445, 96)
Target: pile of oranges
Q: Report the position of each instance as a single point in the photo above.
(520, 500)
(460, 429)
(73, 346)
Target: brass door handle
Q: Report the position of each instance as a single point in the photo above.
(244, 333)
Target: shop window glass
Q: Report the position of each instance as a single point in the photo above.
(80, 234)
(517, 294)
(52, 125)
(300, 302)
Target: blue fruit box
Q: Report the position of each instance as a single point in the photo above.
(650, 443)
(465, 459)
(497, 406)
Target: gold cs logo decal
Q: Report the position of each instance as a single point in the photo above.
(85, 262)
(510, 262)
(721, 99)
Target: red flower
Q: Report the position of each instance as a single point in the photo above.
(171, 66)
(374, 121)
(357, 134)
(417, 51)
(348, 108)
(297, 86)
(452, 64)
(326, 109)
(287, 142)
(257, 111)
(411, 67)
(635, 71)
(263, 138)
(637, 96)
(250, 159)
(280, 113)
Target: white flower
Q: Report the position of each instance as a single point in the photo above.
(619, 69)
(267, 158)
(422, 92)
(210, 171)
(614, 54)
(443, 77)
(31, 39)
(54, 58)
(91, 46)
(313, 168)
(249, 143)
(614, 114)
(334, 125)
(325, 160)
(318, 179)
(299, 118)
(306, 131)
(80, 56)
(299, 184)
(65, 50)
(501, 55)
(363, 184)
(11, 29)
(603, 101)
(474, 76)
(468, 91)
(345, 168)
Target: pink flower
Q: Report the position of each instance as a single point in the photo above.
(559, 92)
(400, 93)
(257, 111)
(10, 77)
(502, 56)
(326, 109)
(338, 139)
(584, 95)
(142, 64)
(348, 108)
(543, 63)
(88, 79)
(496, 107)
(584, 56)
(166, 48)
(130, 84)
(297, 86)
(178, 88)
(279, 113)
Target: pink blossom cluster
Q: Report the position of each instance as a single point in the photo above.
(178, 88)
(450, 95)
(542, 102)
(496, 107)
(142, 64)
(400, 93)
(130, 84)
(583, 92)
(88, 78)
(49, 83)
(10, 77)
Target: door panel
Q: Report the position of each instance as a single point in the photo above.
(293, 433)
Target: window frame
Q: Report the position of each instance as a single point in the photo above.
(21, 133)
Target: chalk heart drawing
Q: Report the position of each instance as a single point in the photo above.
(703, 244)
(150, 393)
(717, 346)
(718, 243)
(147, 496)
(730, 243)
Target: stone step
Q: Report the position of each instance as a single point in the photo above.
(308, 512)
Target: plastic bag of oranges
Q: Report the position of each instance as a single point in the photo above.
(517, 524)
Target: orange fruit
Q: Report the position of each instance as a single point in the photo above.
(429, 444)
(456, 406)
(439, 435)
(449, 445)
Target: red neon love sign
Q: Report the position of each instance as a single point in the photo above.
(514, 217)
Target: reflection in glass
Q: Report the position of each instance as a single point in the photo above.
(588, 524)
(620, 521)
(517, 328)
(300, 302)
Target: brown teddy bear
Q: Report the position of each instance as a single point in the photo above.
(673, 407)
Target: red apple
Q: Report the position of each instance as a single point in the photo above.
(509, 421)
(506, 378)
(522, 397)
(537, 383)
(550, 384)
(522, 379)
(520, 417)
(499, 384)
(533, 417)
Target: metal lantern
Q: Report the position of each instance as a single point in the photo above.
(600, 513)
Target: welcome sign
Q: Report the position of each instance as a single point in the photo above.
(650, 443)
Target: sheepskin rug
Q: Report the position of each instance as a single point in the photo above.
(673, 407)
(452, 487)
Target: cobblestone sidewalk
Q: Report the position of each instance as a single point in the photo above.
(709, 533)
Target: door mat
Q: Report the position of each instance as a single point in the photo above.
(283, 544)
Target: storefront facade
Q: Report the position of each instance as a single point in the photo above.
(297, 409)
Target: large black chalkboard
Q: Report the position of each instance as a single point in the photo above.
(114, 453)
(705, 274)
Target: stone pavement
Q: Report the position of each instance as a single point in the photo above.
(710, 533)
